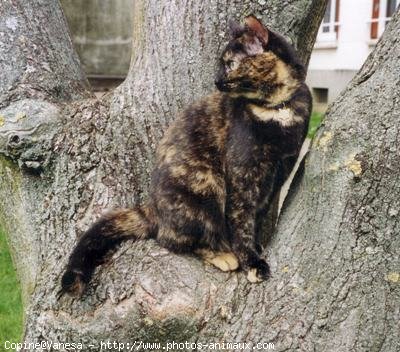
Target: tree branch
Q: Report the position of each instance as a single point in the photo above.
(40, 69)
(39, 72)
(37, 56)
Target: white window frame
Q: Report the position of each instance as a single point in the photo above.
(382, 19)
(331, 35)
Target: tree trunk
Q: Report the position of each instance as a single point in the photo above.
(66, 157)
(336, 253)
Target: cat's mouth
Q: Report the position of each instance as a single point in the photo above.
(222, 85)
(234, 86)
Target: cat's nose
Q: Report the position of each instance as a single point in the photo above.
(220, 84)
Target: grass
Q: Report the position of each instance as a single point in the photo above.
(315, 121)
(11, 311)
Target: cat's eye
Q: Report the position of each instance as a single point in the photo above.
(230, 65)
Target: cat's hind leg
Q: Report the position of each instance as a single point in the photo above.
(225, 261)
(188, 241)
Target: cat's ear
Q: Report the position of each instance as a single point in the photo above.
(235, 28)
(255, 26)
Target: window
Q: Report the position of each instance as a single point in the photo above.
(320, 95)
(330, 26)
(382, 11)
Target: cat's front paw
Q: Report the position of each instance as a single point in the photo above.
(258, 272)
(72, 283)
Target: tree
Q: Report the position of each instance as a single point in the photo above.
(66, 156)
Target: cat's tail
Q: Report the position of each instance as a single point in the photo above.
(100, 239)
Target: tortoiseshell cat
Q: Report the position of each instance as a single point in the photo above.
(219, 164)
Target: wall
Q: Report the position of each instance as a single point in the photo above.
(101, 32)
(333, 64)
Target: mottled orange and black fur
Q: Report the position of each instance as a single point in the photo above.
(219, 164)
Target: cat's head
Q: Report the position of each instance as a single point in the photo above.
(258, 64)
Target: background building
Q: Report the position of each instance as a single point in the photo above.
(102, 35)
(349, 32)
(101, 31)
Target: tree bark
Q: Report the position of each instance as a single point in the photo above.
(40, 73)
(336, 253)
(66, 157)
